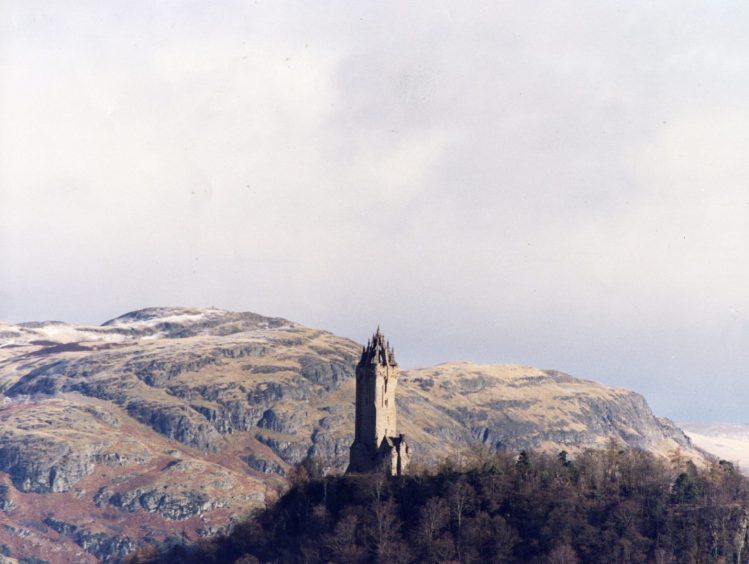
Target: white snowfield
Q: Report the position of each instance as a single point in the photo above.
(729, 441)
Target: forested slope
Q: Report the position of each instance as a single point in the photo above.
(605, 506)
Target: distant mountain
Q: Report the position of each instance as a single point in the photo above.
(729, 441)
(176, 421)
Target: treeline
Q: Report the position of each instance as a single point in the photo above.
(604, 506)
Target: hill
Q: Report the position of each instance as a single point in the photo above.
(177, 421)
(605, 506)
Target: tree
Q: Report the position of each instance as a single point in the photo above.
(563, 554)
(385, 534)
(686, 489)
(342, 544)
(434, 516)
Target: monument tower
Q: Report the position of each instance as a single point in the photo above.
(377, 446)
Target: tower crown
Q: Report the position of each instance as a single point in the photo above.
(378, 351)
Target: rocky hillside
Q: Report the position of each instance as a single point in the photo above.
(174, 421)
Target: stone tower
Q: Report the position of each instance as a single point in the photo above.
(377, 446)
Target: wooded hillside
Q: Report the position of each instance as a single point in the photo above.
(605, 506)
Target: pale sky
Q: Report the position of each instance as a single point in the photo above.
(558, 184)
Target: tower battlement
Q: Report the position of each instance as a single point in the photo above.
(376, 442)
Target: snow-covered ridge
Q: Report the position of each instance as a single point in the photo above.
(151, 316)
(56, 332)
(150, 323)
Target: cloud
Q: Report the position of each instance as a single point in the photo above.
(550, 183)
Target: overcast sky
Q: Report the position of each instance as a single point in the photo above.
(559, 184)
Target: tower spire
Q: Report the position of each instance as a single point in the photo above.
(378, 350)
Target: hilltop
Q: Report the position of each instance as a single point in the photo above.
(177, 421)
(605, 506)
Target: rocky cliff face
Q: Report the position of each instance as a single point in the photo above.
(174, 421)
(517, 407)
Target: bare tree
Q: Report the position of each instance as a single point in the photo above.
(433, 518)
(563, 554)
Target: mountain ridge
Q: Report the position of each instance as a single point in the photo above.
(181, 419)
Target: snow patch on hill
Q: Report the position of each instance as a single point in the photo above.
(180, 317)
